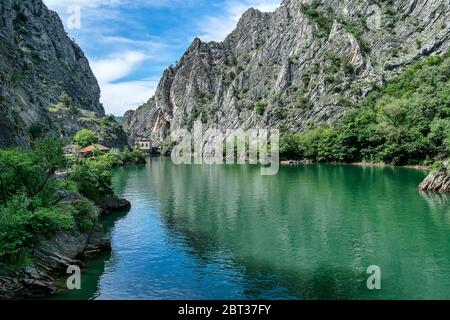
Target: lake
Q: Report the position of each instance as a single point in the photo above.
(310, 232)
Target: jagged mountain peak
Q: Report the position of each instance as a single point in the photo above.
(304, 63)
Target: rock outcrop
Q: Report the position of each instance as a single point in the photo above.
(46, 83)
(112, 203)
(51, 258)
(437, 181)
(305, 63)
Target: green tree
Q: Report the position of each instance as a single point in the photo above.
(30, 171)
(439, 137)
(290, 148)
(29, 205)
(93, 176)
(261, 107)
(85, 138)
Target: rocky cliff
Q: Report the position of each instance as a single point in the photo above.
(46, 84)
(307, 62)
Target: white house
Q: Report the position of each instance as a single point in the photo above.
(145, 145)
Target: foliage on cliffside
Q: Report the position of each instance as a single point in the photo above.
(406, 121)
(85, 138)
(35, 202)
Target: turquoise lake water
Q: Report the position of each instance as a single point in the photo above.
(310, 232)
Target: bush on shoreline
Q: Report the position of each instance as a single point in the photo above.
(126, 157)
(29, 204)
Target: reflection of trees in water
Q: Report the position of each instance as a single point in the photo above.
(311, 230)
(123, 176)
(262, 223)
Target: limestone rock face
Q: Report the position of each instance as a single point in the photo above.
(437, 181)
(45, 78)
(306, 62)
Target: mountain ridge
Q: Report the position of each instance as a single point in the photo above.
(46, 83)
(307, 62)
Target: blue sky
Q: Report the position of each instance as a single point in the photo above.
(129, 43)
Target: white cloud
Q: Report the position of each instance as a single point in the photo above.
(217, 27)
(120, 97)
(157, 49)
(117, 66)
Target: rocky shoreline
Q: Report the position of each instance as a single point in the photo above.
(437, 181)
(52, 257)
(111, 203)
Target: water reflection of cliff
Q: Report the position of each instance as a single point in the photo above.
(435, 199)
(312, 230)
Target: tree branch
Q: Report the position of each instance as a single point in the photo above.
(59, 200)
(39, 190)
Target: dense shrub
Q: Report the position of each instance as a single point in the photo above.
(36, 130)
(85, 214)
(323, 19)
(132, 156)
(29, 204)
(261, 107)
(20, 225)
(127, 157)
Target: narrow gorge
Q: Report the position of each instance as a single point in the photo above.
(345, 82)
(306, 63)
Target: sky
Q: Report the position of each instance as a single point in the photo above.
(129, 43)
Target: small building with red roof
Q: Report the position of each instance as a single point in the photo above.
(89, 151)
